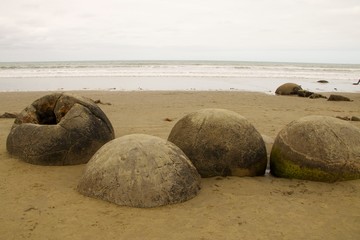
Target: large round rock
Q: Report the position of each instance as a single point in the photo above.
(317, 148)
(140, 171)
(288, 89)
(220, 143)
(59, 129)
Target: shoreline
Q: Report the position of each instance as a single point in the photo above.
(86, 90)
(41, 202)
(171, 83)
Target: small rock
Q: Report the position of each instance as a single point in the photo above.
(304, 93)
(168, 120)
(9, 115)
(343, 118)
(98, 101)
(334, 97)
(323, 81)
(317, 95)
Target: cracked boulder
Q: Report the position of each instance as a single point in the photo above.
(59, 129)
(220, 143)
(140, 171)
(317, 148)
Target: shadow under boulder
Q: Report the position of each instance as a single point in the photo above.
(59, 129)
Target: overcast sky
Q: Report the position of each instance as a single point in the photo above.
(240, 30)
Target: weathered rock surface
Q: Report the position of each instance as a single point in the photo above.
(220, 143)
(288, 89)
(140, 171)
(317, 148)
(59, 129)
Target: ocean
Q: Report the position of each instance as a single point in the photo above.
(176, 75)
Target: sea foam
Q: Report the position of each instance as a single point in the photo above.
(176, 75)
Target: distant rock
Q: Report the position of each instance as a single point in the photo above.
(304, 93)
(308, 94)
(323, 81)
(317, 95)
(334, 97)
(344, 118)
(98, 101)
(9, 115)
(353, 118)
(288, 89)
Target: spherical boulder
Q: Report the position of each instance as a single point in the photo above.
(59, 129)
(317, 148)
(220, 143)
(288, 89)
(140, 171)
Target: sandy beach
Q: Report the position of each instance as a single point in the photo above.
(41, 202)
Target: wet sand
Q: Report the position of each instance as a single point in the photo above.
(40, 202)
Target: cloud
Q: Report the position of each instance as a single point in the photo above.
(57, 28)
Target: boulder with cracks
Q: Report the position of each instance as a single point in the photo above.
(317, 148)
(220, 143)
(139, 170)
(59, 129)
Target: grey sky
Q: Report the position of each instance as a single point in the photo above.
(246, 30)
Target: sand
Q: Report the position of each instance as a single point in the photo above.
(40, 202)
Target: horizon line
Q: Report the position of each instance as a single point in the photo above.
(179, 60)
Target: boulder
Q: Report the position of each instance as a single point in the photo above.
(334, 97)
(354, 118)
(344, 118)
(288, 89)
(59, 129)
(8, 115)
(140, 171)
(304, 93)
(317, 95)
(317, 148)
(220, 143)
(323, 81)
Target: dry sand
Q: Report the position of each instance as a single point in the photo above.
(40, 202)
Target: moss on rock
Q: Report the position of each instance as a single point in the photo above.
(317, 148)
